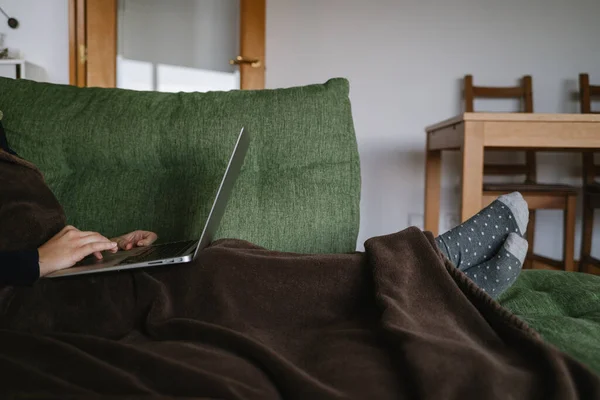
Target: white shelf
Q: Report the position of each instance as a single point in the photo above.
(17, 63)
(11, 61)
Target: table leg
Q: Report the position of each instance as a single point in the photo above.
(588, 231)
(472, 170)
(433, 182)
(569, 234)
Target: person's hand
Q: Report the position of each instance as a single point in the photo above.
(70, 246)
(135, 239)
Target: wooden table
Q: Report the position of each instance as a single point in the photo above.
(473, 132)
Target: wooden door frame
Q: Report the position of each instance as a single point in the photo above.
(93, 43)
(253, 21)
(77, 62)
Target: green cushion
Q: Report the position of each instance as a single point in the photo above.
(564, 307)
(121, 160)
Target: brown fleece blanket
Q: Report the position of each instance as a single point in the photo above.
(242, 322)
(29, 212)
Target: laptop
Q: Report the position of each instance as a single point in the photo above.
(176, 252)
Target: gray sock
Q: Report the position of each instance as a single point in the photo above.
(501, 271)
(481, 237)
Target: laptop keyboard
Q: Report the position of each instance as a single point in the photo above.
(159, 252)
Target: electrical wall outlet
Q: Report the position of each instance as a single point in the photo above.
(416, 220)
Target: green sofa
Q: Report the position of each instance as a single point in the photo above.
(121, 160)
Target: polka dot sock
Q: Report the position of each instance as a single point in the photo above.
(501, 271)
(480, 238)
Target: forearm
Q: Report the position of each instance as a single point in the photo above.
(19, 267)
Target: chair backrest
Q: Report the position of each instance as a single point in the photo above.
(522, 92)
(586, 93)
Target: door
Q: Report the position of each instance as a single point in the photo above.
(175, 45)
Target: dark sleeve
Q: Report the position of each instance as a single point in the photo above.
(4, 141)
(19, 267)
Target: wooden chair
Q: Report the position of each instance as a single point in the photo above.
(538, 196)
(591, 188)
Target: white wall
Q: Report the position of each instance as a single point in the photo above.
(42, 37)
(217, 34)
(188, 33)
(179, 45)
(405, 59)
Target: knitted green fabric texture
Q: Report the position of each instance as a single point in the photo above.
(120, 160)
(564, 307)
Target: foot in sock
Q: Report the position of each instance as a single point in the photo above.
(481, 237)
(500, 272)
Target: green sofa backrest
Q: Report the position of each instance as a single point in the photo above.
(121, 160)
